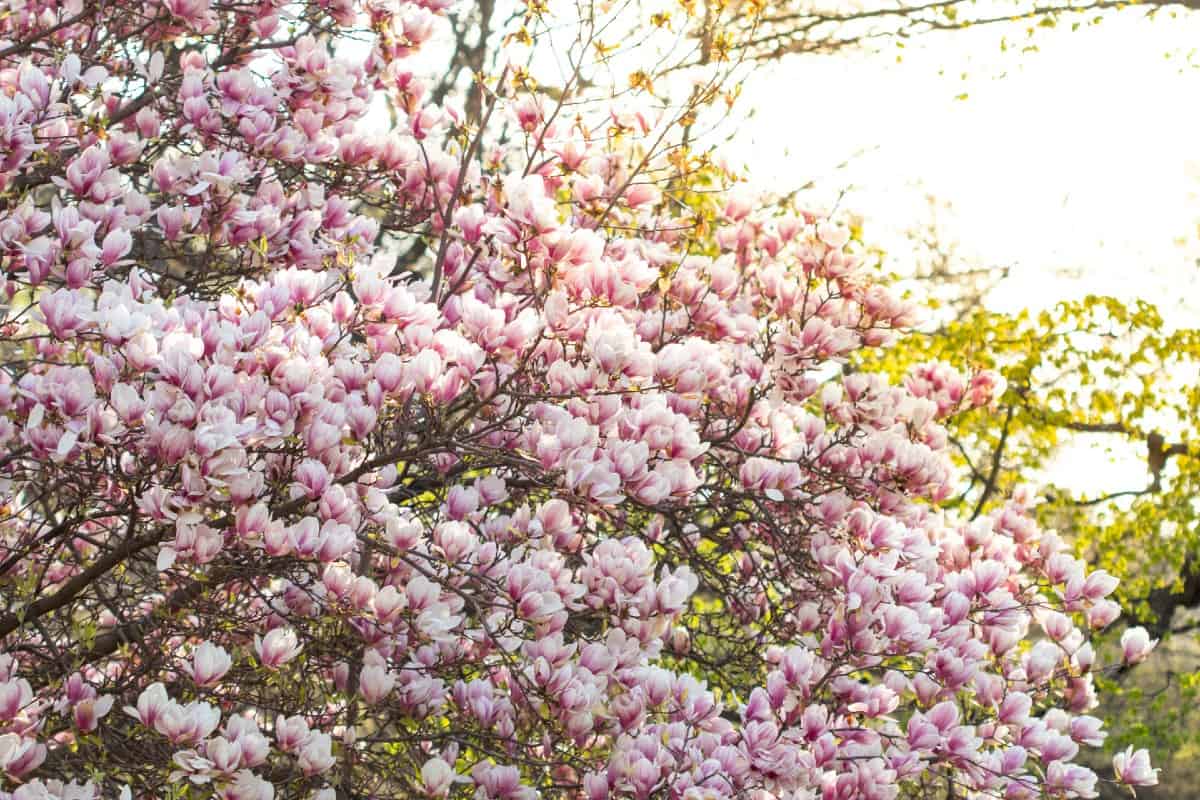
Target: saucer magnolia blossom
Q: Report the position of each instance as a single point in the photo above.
(580, 508)
(277, 648)
(1134, 767)
(209, 664)
(1136, 645)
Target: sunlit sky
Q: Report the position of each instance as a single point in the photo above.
(1084, 155)
(1077, 165)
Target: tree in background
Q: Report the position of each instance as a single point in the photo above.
(578, 504)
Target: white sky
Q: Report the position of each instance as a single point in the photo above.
(1084, 155)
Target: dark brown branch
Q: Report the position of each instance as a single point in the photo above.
(72, 588)
(447, 217)
(108, 643)
(1104, 498)
(997, 459)
(24, 46)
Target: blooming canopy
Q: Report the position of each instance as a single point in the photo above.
(573, 508)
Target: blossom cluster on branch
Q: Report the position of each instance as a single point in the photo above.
(576, 509)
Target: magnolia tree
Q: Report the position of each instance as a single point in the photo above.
(576, 507)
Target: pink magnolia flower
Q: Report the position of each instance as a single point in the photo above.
(255, 748)
(315, 755)
(247, 786)
(389, 371)
(88, 712)
(277, 648)
(437, 777)
(1102, 614)
(19, 755)
(209, 664)
(1071, 779)
(1088, 730)
(151, 705)
(172, 220)
(225, 755)
(187, 724)
(528, 203)
(375, 682)
(1133, 768)
(1136, 645)
(462, 501)
(63, 313)
(1042, 661)
(117, 245)
(15, 694)
(291, 733)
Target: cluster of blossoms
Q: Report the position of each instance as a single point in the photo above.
(574, 512)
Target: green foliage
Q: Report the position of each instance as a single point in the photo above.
(1111, 372)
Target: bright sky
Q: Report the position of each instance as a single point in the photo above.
(1084, 155)
(1078, 165)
